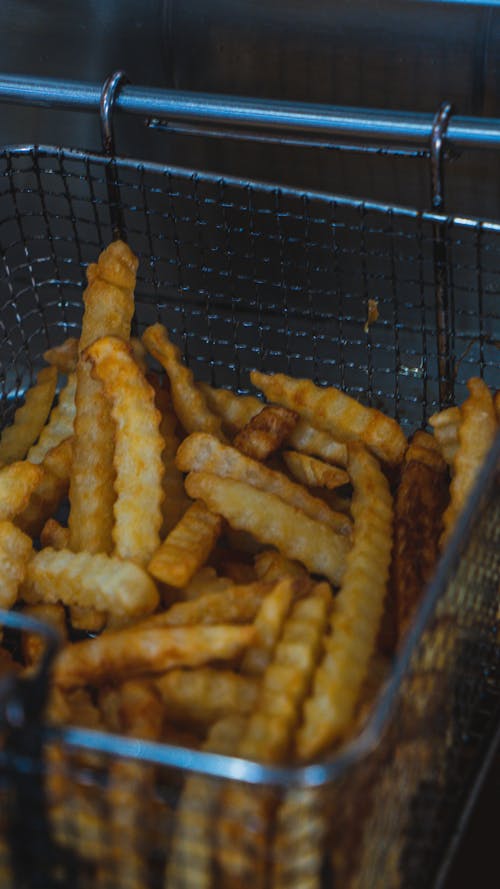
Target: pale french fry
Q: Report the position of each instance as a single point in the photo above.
(187, 547)
(32, 644)
(189, 403)
(242, 830)
(421, 499)
(138, 447)
(476, 432)
(50, 489)
(238, 604)
(16, 549)
(30, 418)
(357, 611)
(54, 535)
(203, 696)
(17, 483)
(204, 453)
(127, 654)
(274, 522)
(236, 411)
(190, 862)
(334, 411)
(64, 357)
(313, 472)
(445, 426)
(60, 425)
(175, 502)
(266, 432)
(205, 581)
(96, 581)
(109, 306)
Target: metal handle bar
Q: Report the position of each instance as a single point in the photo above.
(398, 127)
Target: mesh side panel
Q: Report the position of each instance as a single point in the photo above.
(247, 276)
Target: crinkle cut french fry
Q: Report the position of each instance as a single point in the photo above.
(175, 501)
(189, 403)
(137, 453)
(127, 654)
(205, 581)
(243, 827)
(265, 432)
(476, 432)
(204, 453)
(421, 499)
(50, 489)
(313, 472)
(339, 414)
(274, 522)
(17, 483)
(357, 611)
(238, 604)
(16, 550)
(300, 828)
(187, 547)
(30, 418)
(64, 356)
(201, 697)
(96, 581)
(60, 425)
(55, 535)
(236, 411)
(271, 565)
(109, 306)
(445, 426)
(32, 644)
(190, 862)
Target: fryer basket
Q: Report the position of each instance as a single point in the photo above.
(246, 275)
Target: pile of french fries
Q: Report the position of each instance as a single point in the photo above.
(239, 568)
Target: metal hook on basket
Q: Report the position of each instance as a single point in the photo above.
(438, 137)
(110, 90)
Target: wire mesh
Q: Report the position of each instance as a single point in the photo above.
(249, 275)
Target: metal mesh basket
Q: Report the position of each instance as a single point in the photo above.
(246, 276)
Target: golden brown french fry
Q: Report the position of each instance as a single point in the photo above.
(445, 426)
(201, 697)
(236, 411)
(109, 306)
(357, 611)
(55, 535)
(187, 547)
(16, 549)
(271, 565)
(17, 483)
(266, 432)
(30, 418)
(96, 581)
(421, 499)
(242, 830)
(189, 403)
(205, 453)
(138, 448)
(274, 522)
(334, 411)
(127, 654)
(64, 356)
(313, 472)
(140, 354)
(50, 489)
(175, 502)
(476, 432)
(60, 425)
(205, 581)
(33, 645)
